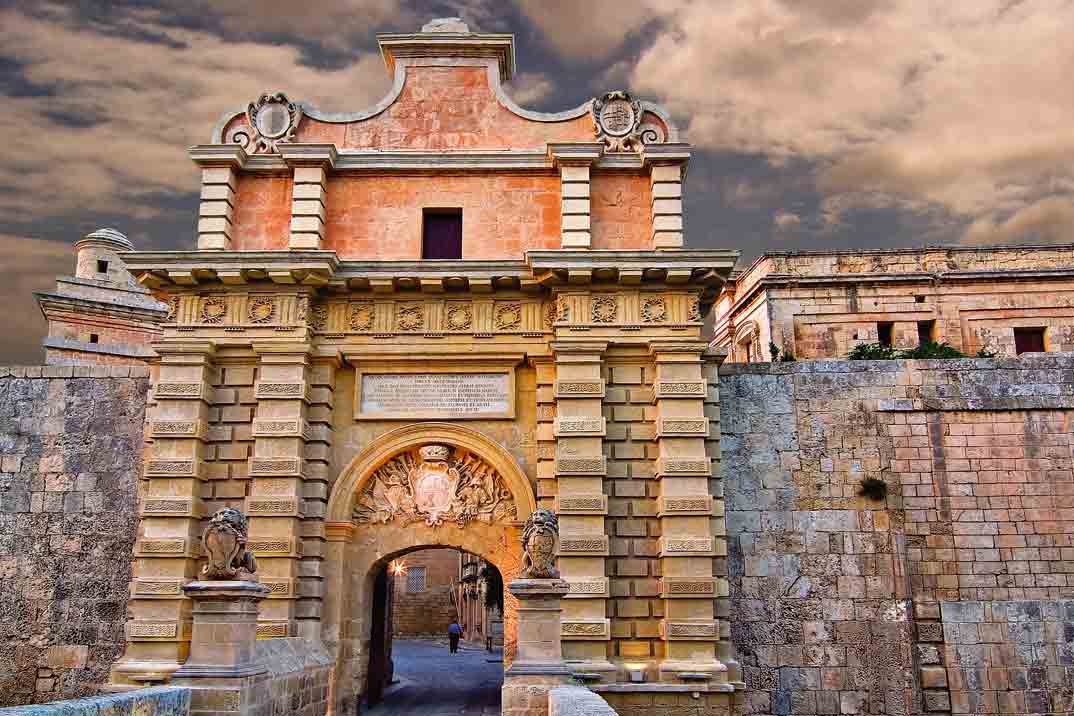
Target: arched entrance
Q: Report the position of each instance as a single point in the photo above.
(420, 486)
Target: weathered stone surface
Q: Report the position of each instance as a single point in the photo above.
(156, 701)
(72, 456)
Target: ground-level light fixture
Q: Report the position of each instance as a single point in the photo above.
(397, 568)
(637, 673)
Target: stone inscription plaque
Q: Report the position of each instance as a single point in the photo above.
(435, 395)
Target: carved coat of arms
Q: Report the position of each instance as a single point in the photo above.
(434, 486)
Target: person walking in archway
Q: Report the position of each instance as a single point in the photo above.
(454, 633)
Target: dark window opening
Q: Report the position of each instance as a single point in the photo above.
(441, 236)
(884, 334)
(1028, 340)
(919, 299)
(102, 266)
(93, 338)
(926, 332)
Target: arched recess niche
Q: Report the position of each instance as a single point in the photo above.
(356, 551)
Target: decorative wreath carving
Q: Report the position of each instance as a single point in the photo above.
(361, 316)
(409, 318)
(605, 309)
(213, 310)
(508, 315)
(694, 309)
(272, 119)
(550, 315)
(617, 120)
(173, 308)
(563, 310)
(654, 309)
(460, 317)
(435, 484)
(261, 310)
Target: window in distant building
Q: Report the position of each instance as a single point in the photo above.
(415, 580)
(926, 332)
(93, 338)
(441, 236)
(1028, 340)
(919, 299)
(884, 333)
(102, 266)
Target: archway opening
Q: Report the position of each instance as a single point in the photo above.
(435, 633)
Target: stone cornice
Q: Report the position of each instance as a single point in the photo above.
(87, 306)
(498, 45)
(190, 268)
(350, 160)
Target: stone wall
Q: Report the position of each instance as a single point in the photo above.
(70, 457)
(426, 613)
(947, 593)
(156, 701)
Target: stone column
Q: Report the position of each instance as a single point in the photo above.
(538, 665)
(168, 543)
(574, 161)
(217, 207)
(666, 182)
(275, 502)
(311, 164)
(691, 535)
(581, 467)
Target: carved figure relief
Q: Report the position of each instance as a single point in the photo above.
(539, 539)
(224, 541)
(272, 119)
(434, 485)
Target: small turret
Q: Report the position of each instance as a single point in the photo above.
(98, 257)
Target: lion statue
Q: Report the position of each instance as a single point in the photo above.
(539, 546)
(224, 541)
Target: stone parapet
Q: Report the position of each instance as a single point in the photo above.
(154, 701)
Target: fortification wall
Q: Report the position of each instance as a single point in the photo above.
(953, 591)
(70, 457)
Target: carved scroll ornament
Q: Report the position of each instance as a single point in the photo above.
(617, 120)
(225, 544)
(433, 485)
(271, 119)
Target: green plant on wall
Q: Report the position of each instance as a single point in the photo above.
(779, 355)
(927, 350)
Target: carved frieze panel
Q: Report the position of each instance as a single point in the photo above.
(585, 629)
(268, 466)
(683, 466)
(687, 587)
(157, 631)
(281, 391)
(318, 317)
(459, 317)
(279, 587)
(582, 465)
(361, 315)
(261, 309)
(684, 505)
(177, 429)
(582, 505)
(604, 308)
(272, 506)
(172, 507)
(212, 309)
(575, 545)
(686, 546)
(146, 588)
(575, 425)
(171, 468)
(587, 587)
(272, 630)
(682, 427)
(282, 547)
(180, 391)
(579, 389)
(171, 547)
(508, 316)
(654, 309)
(685, 631)
(409, 317)
(680, 389)
(435, 484)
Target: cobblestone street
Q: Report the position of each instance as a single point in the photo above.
(434, 682)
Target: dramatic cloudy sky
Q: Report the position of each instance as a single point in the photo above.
(816, 123)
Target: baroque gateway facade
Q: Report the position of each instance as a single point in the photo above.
(413, 325)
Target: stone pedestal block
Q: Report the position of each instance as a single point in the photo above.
(539, 666)
(225, 629)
